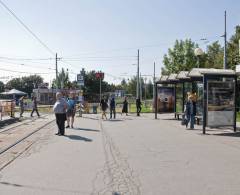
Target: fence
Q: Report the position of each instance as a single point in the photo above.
(7, 108)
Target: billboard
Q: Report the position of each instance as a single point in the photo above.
(165, 99)
(220, 103)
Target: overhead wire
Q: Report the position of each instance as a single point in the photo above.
(26, 27)
(3, 69)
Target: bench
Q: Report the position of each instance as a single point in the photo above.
(198, 118)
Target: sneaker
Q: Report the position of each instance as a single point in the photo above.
(72, 126)
(67, 126)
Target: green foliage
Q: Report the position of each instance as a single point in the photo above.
(233, 49)
(180, 57)
(2, 86)
(26, 84)
(214, 56)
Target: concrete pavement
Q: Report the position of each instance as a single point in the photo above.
(129, 155)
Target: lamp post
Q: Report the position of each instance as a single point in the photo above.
(198, 52)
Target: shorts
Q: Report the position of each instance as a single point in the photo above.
(70, 113)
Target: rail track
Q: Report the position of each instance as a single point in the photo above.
(26, 143)
(19, 125)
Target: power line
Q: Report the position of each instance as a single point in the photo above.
(26, 27)
(28, 65)
(26, 59)
(26, 72)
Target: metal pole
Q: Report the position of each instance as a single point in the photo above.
(145, 80)
(138, 75)
(56, 72)
(154, 80)
(140, 86)
(225, 41)
(100, 89)
(155, 101)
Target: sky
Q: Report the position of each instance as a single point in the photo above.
(105, 35)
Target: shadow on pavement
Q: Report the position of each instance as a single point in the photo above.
(80, 138)
(84, 129)
(7, 122)
(230, 134)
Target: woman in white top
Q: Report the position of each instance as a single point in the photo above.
(59, 109)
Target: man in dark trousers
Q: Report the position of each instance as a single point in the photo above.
(139, 106)
(112, 108)
(35, 108)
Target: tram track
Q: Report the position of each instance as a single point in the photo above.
(25, 137)
(10, 152)
(22, 123)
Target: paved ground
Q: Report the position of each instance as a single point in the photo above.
(129, 155)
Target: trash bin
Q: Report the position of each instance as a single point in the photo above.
(94, 109)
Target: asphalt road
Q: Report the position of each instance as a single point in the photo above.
(129, 155)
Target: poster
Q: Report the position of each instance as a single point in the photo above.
(220, 103)
(165, 99)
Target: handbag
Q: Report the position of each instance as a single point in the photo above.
(184, 120)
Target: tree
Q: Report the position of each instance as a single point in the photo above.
(214, 56)
(181, 57)
(233, 49)
(62, 80)
(2, 86)
(26, 84)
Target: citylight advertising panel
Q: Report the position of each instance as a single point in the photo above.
(220, 103)
(165, 99)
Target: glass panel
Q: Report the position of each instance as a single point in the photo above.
(220, 102)
(179, 97)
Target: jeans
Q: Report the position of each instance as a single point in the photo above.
(139, 110)
(112, 110)
(35, 109)
(60, 120)
(191, 119)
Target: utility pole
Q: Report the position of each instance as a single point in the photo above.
(138, 75)
(225, 41)
(140, 86)
(154, 80)
(56, 71)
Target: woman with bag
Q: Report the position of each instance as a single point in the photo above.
(190, 110)
(59, 109)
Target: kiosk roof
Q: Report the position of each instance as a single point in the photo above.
(199, 72)
(172, 77)
(183, 75)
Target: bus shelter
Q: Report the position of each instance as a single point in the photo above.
(216, 91)
(219, 99)
(164, 96)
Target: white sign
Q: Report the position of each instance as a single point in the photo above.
(80, 77)
(238, 69)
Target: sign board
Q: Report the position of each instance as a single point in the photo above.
(220, 103)
(80, 79)
(238, 69)
(99, 75)
(165, 99)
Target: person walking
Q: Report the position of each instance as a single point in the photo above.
(59, 109)
(112, 108)
(104, 107)
(71, 110)
(21, 104)
(125, 106)
(190, 110)
(139, 106)
(35, 107)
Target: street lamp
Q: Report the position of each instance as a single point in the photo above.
(198, 52)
